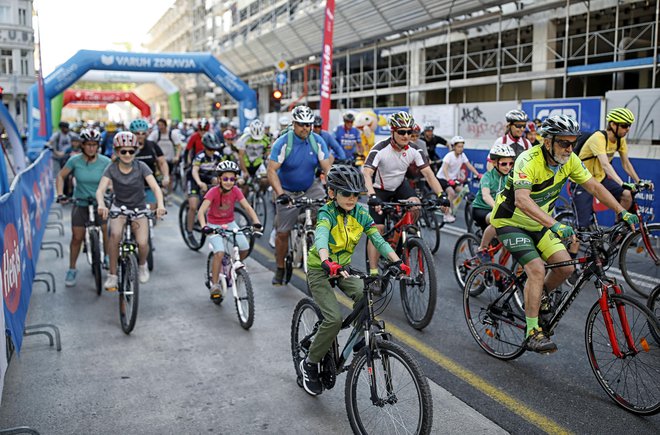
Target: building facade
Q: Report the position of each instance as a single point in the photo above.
(16, 57)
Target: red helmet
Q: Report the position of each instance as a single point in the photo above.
(229, 134)
(417, 128)
(124, 139)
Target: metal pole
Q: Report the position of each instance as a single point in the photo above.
(465, 41)
(518, 51)
(586, 48)
(348, 79)
(655, 43)
(375, 76)
(616, 42)
(448, 63)
(408, 70)
(566, 41)
(499, 53)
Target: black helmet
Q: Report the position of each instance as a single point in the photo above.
(318, 121)
(346, 178)
(210, 141)
(348, 116)
(63, 124)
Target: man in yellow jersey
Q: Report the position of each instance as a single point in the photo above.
(523, 222)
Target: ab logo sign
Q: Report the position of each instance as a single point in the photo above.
(10, 270)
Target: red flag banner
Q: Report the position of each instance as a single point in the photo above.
(326, 62)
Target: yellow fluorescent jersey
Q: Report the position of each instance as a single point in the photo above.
(598, 144)
(531, 172)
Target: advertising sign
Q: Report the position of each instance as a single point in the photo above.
(386, 112)
(585, 110)
(645, 105)
(440, 115)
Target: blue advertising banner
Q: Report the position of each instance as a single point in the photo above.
(585, 110)
(386, 112)
(23, 216)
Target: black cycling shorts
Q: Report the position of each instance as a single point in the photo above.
(404, 191)
(479, 216)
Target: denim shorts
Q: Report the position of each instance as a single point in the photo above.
(217, 242)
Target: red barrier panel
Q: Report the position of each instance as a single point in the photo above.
(71, 95)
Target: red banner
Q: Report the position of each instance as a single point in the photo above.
(326, 62)
(99, 97)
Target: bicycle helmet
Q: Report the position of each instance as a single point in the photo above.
(302, 115)
(74, 137)
(228, 166)
(257, 129)
(284, 120)
(138, 125)
(429, 126)
(621, 115)
(560, 125)
(516, 115)
(349, 117)
(417, 129)
(90, 135)
(318, 121)
(229, 134)
(124, 139)
(456, 139)
(401, 120)
(203, 124)
(499, 151)
(63, 124)
(346, 178)
(210, 141)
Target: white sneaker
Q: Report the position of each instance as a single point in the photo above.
(271, 240)
(143, 273)
(449, 218)
(111, 283)
(216, 290)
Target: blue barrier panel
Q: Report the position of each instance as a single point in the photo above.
(386, 112)
(585, 110)
(23, 216)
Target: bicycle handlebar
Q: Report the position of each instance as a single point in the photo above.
(304, 201)
(247, 230)
(588, 236)
(131, 214)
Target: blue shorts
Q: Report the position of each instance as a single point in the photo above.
(217, 242)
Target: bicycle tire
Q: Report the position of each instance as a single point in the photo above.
(245, 299)
(469, 220)
(411, 394)
(566, 217)
(654, 305)
(196, 242)
(630, 254)
(419, 315)
(433, 228)
(241, 219)
(150, 255)
(616, 376)
(305, 317)
(129, 292)
(208, 278)
(260, 207)
(463, 257)
(500, 334)
(97, 261)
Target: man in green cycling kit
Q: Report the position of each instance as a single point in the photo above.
(525, 226)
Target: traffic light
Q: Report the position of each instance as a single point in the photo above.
(276, 96)
(216, 106)
(2, 90)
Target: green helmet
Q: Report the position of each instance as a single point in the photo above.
(138, 125)
(621, 115)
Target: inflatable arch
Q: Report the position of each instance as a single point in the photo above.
(191, 63)
(71, 95)
(172, 91)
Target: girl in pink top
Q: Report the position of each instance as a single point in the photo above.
(220, 201)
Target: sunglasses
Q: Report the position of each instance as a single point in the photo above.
(141, 132)
(346, 194)
(404, 132)
(232, 179)
(624, 125)
(519, 125)
(125, 152)
(505, 164)
(300, 124)
(566, 143)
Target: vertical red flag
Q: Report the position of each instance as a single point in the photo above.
(326, 62)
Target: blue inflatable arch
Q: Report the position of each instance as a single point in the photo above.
(190, 63)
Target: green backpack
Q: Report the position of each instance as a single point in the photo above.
(289, 143)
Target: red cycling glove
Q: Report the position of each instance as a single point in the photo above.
(331, 267)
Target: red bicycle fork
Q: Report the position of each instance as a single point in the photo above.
(609, 322)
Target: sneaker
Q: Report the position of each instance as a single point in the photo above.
(574, 277)
(143, 273)
(537, 341)
(278, 279)
(70, 279)
(449, 218)
(216, 291)
(310, 377)
(483, 256)
(111, 283)
(271, 239)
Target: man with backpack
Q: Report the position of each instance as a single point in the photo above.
(170, 143)
(596, 152)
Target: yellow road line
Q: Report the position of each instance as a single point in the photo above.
(490, 390)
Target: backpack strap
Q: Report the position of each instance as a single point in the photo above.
(604, 133)
(289, 143)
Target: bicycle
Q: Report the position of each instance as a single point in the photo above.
(418, 294)
(93, 242)
(385, 385)
(301, 237)
(234, 274)
(654, 305)
(127, 269)
(617, 348)
(428, 221)
(150, 256)
(468, 197)
(194, 240)
(257, 198)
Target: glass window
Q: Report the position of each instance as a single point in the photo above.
(6, 62)
(22, 17)
(5, 14)
(24, 63)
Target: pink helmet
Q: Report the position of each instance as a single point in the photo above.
(229, 134)
(124, 139)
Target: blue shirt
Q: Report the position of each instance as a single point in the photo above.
(297, 171)
(335, 149)
(349, 139)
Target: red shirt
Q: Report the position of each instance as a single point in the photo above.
(221, 211)
(195, 143)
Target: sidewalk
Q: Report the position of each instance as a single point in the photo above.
(187, 368)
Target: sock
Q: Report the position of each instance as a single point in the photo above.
(532, 323)
(373, 272)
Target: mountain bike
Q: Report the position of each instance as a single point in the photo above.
(234, 275)
(194, 240)
(93, 241)
(152, 248)
(127, 269)
(654, 305)
(257, 198)
(430, 224)
(419, 293)
(619, 333)
(386, 390)
(302, 236)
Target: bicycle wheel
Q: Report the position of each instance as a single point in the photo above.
(469, 220)
(637, 266)
(631, 380)
(244, 299)
(431, 229)
(258, 203)
(654, 305)
(403, 402)
(241, 219)
(492, 318)
(150, 255)
(566, 217)
(304, 324)
(197, 238)
(129, 291)
(464, 257)
(97, 260)
(418, 294)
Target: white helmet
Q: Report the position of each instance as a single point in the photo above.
(499, 151)
(456, 139)
(303, 115)
(234, 125)
(284, 120)
(257, 129)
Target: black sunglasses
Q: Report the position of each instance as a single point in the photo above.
(404, 132)
(302, 124)
(519, 125)
(347, 194)
(566, 143)
(622, 125)
(125, 152)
